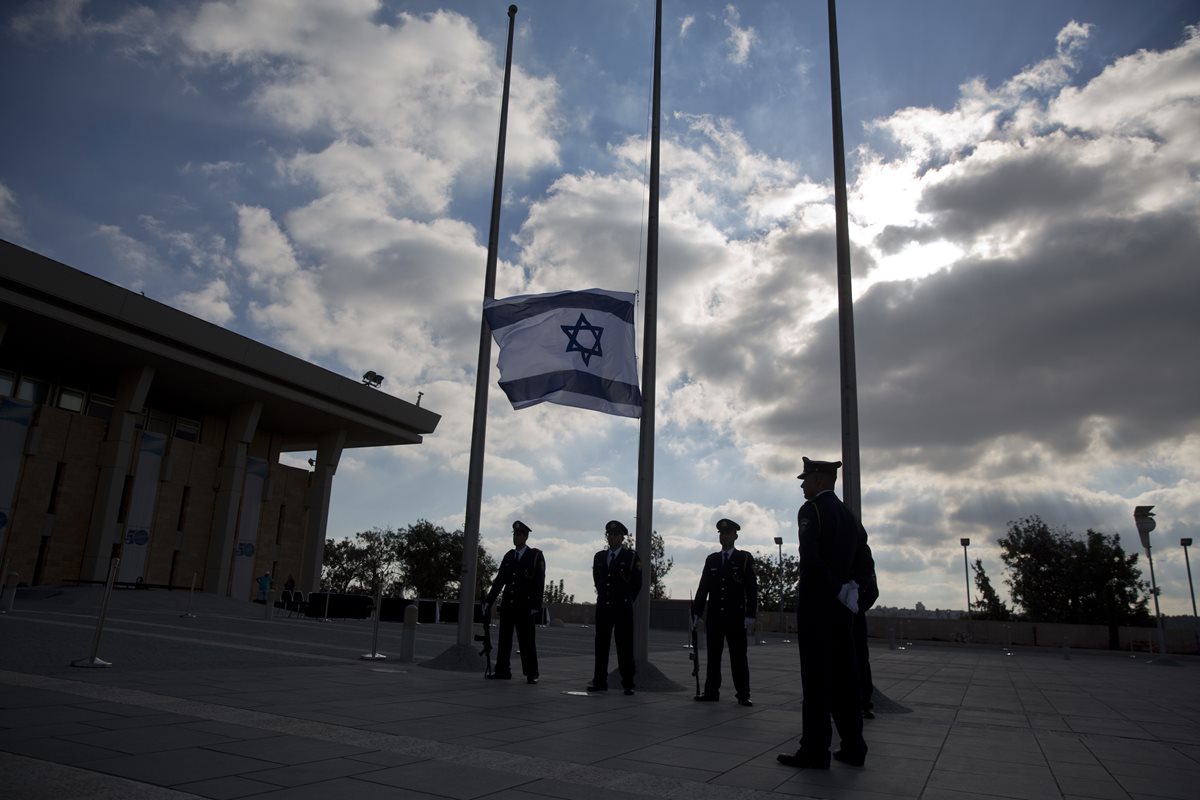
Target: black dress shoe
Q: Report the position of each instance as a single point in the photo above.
(628, 692)
(745, 701)
(851, 758)
(803, 760)
(530, 679)
(495, 676)
(591, 687)
(706, 698)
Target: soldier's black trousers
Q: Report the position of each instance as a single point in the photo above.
(610, 623)
(829, 677)
(718, 633)
(523, 621)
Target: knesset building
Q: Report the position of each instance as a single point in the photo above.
(130, 429)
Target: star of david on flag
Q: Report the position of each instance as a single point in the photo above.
(570, 348)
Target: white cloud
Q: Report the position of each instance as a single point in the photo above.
(11, 226)
(740, 39)
(210, 303)
(684, 24)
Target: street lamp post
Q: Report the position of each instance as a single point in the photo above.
(779, 542)
(1187, 542)
(965, 542)
(1143, 517)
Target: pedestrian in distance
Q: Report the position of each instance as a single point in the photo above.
(617, 574)
(729, 588)
(264, 586)
(522, 579)
(827, 600)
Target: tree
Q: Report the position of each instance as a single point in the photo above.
(359, 564)
(339, 569)
(989, 605)
(557, 594)
(766, 568)
(430, 561)
(1056, 576)
(660, 565)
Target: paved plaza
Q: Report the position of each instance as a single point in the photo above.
(229, 704)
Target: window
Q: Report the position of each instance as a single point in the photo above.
(100, 407)
(158, 422)
(187, 429)
(7, 381)
(70, 400)
(33, 390)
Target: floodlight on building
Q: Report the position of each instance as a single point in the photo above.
(372, 378)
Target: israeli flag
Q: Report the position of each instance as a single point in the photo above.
(571, 348)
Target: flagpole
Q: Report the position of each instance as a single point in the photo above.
(645, 484)
(851, 482)
(462, 655)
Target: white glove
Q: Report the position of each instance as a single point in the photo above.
(695, 620)
(849, 596)
(748, 622)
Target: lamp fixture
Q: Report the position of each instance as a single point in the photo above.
(372, 378)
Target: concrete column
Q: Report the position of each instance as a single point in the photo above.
(115, 453)
(243, 423)
(329, 452)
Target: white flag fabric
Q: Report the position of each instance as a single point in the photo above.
(571, 348)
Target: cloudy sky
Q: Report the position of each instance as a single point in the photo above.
(1024, 212)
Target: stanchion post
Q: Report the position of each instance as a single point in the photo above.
(94, 660)
(375, 655)
(9, 595)
(188, 613)
(409, 634)
(326, 617)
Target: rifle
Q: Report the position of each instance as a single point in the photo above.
(695, 655)
(486, 637)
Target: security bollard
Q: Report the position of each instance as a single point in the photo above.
(375, 655)
(409, 634)
(187, 614)
(94, 660)
(10, 593)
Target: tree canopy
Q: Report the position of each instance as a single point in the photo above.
(767, 568)
(660, 565)
(422, 560)
(989, 605)
(1058, 576)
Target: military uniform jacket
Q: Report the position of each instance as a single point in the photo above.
(618, 585)
(523, 581)
(730, 588)
(829, 540)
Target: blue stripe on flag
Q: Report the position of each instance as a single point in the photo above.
(523, 390)
(503, 314)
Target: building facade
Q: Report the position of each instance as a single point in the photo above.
(130, 430)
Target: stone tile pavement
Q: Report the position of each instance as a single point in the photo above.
(231, 705)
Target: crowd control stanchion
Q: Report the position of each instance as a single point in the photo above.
(375, 655)
(409, 634)
(326, 617)
(9, 595)
(188, 613)
(94, 660)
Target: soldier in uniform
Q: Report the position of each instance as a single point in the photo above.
(522, 577)
(730, 588)
(617, 573)
(829, 539)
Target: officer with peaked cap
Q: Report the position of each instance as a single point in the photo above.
(729, 588)
(617, 574)
(522, 577)
(827, 602)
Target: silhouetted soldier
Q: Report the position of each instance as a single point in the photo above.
(827, 602)
(730, 588)
(617, 573)
(868, 593)
(522, 576)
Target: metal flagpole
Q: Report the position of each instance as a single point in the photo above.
(851, 484)
(645, 483)
(462, 654)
